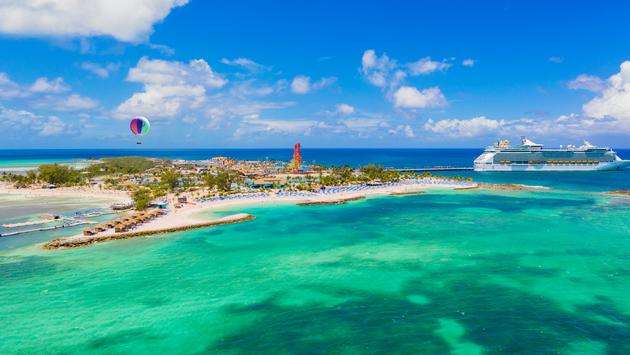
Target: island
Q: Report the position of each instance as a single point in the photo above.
(156, 196)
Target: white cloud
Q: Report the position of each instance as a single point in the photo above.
(587, 82)
(9, 89)
(364, 123)
(363, 127)
(76, 102)
(377, 70)
(468, 62)
(556, 59)
(411, 97)
(44, 93)
(55, 86)
(426, 66)
(17, 117)
(250, 88)
(324, 82)
(302, 84)
(245, 63)
(128, 21)
(570, 126)
(614, 100)
(168, 87)
(405, 130)
(102, 71)
(23, 121)
(345, 109)
(72, 102)
(256, 125)
(162, 48)
(52, 126)
(463, 128)
(220, 108)
(384, 72)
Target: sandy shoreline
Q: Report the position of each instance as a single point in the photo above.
(110, 196)
(189, 215)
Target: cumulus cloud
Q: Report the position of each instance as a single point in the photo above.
(44, 93)
(468, 62)
(168, 87)
(54, 86)
(127, 21)
(571, 126)
(411, 97)
(302, 84)
(587, 82)
(463, 127)
(100, 70)
(25, 121)
(426, 66)
(9, 89)
(245, 63)
(377, 69)
(614, 99)
(385, 73)
(255, 125)
(52, 126)
(344, 109)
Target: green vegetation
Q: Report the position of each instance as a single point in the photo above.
(20, 181)
(373, 172)
(341, 175)
(141, 198)
(59, 175)
(222, 181)
(170, 179)
(122, 165)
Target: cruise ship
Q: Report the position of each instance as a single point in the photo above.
(530, 156)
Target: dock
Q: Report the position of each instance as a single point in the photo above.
(49, 228)
(84, 240)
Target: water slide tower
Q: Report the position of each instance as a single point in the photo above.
(297, 158)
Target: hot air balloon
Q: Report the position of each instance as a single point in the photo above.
(139, 126)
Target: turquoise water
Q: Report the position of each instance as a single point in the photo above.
(466, 272)
(30, 163)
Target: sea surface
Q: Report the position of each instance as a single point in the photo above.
(465, 272)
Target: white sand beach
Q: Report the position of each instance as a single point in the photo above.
(107, 196)
(191, 214)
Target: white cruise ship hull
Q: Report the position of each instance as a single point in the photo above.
(607, 166)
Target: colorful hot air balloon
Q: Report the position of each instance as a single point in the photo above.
(139, 126)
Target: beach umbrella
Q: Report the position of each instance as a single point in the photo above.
(139, 126)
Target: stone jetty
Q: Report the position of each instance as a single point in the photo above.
(331, 201)
(84, 240)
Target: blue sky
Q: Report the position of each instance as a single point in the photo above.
(329, 74)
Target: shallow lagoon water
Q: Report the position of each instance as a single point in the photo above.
(467, 272)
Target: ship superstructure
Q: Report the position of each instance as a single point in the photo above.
(530, 156)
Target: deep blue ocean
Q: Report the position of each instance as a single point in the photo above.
(395, 158)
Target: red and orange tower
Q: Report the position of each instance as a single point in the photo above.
(297, 157)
